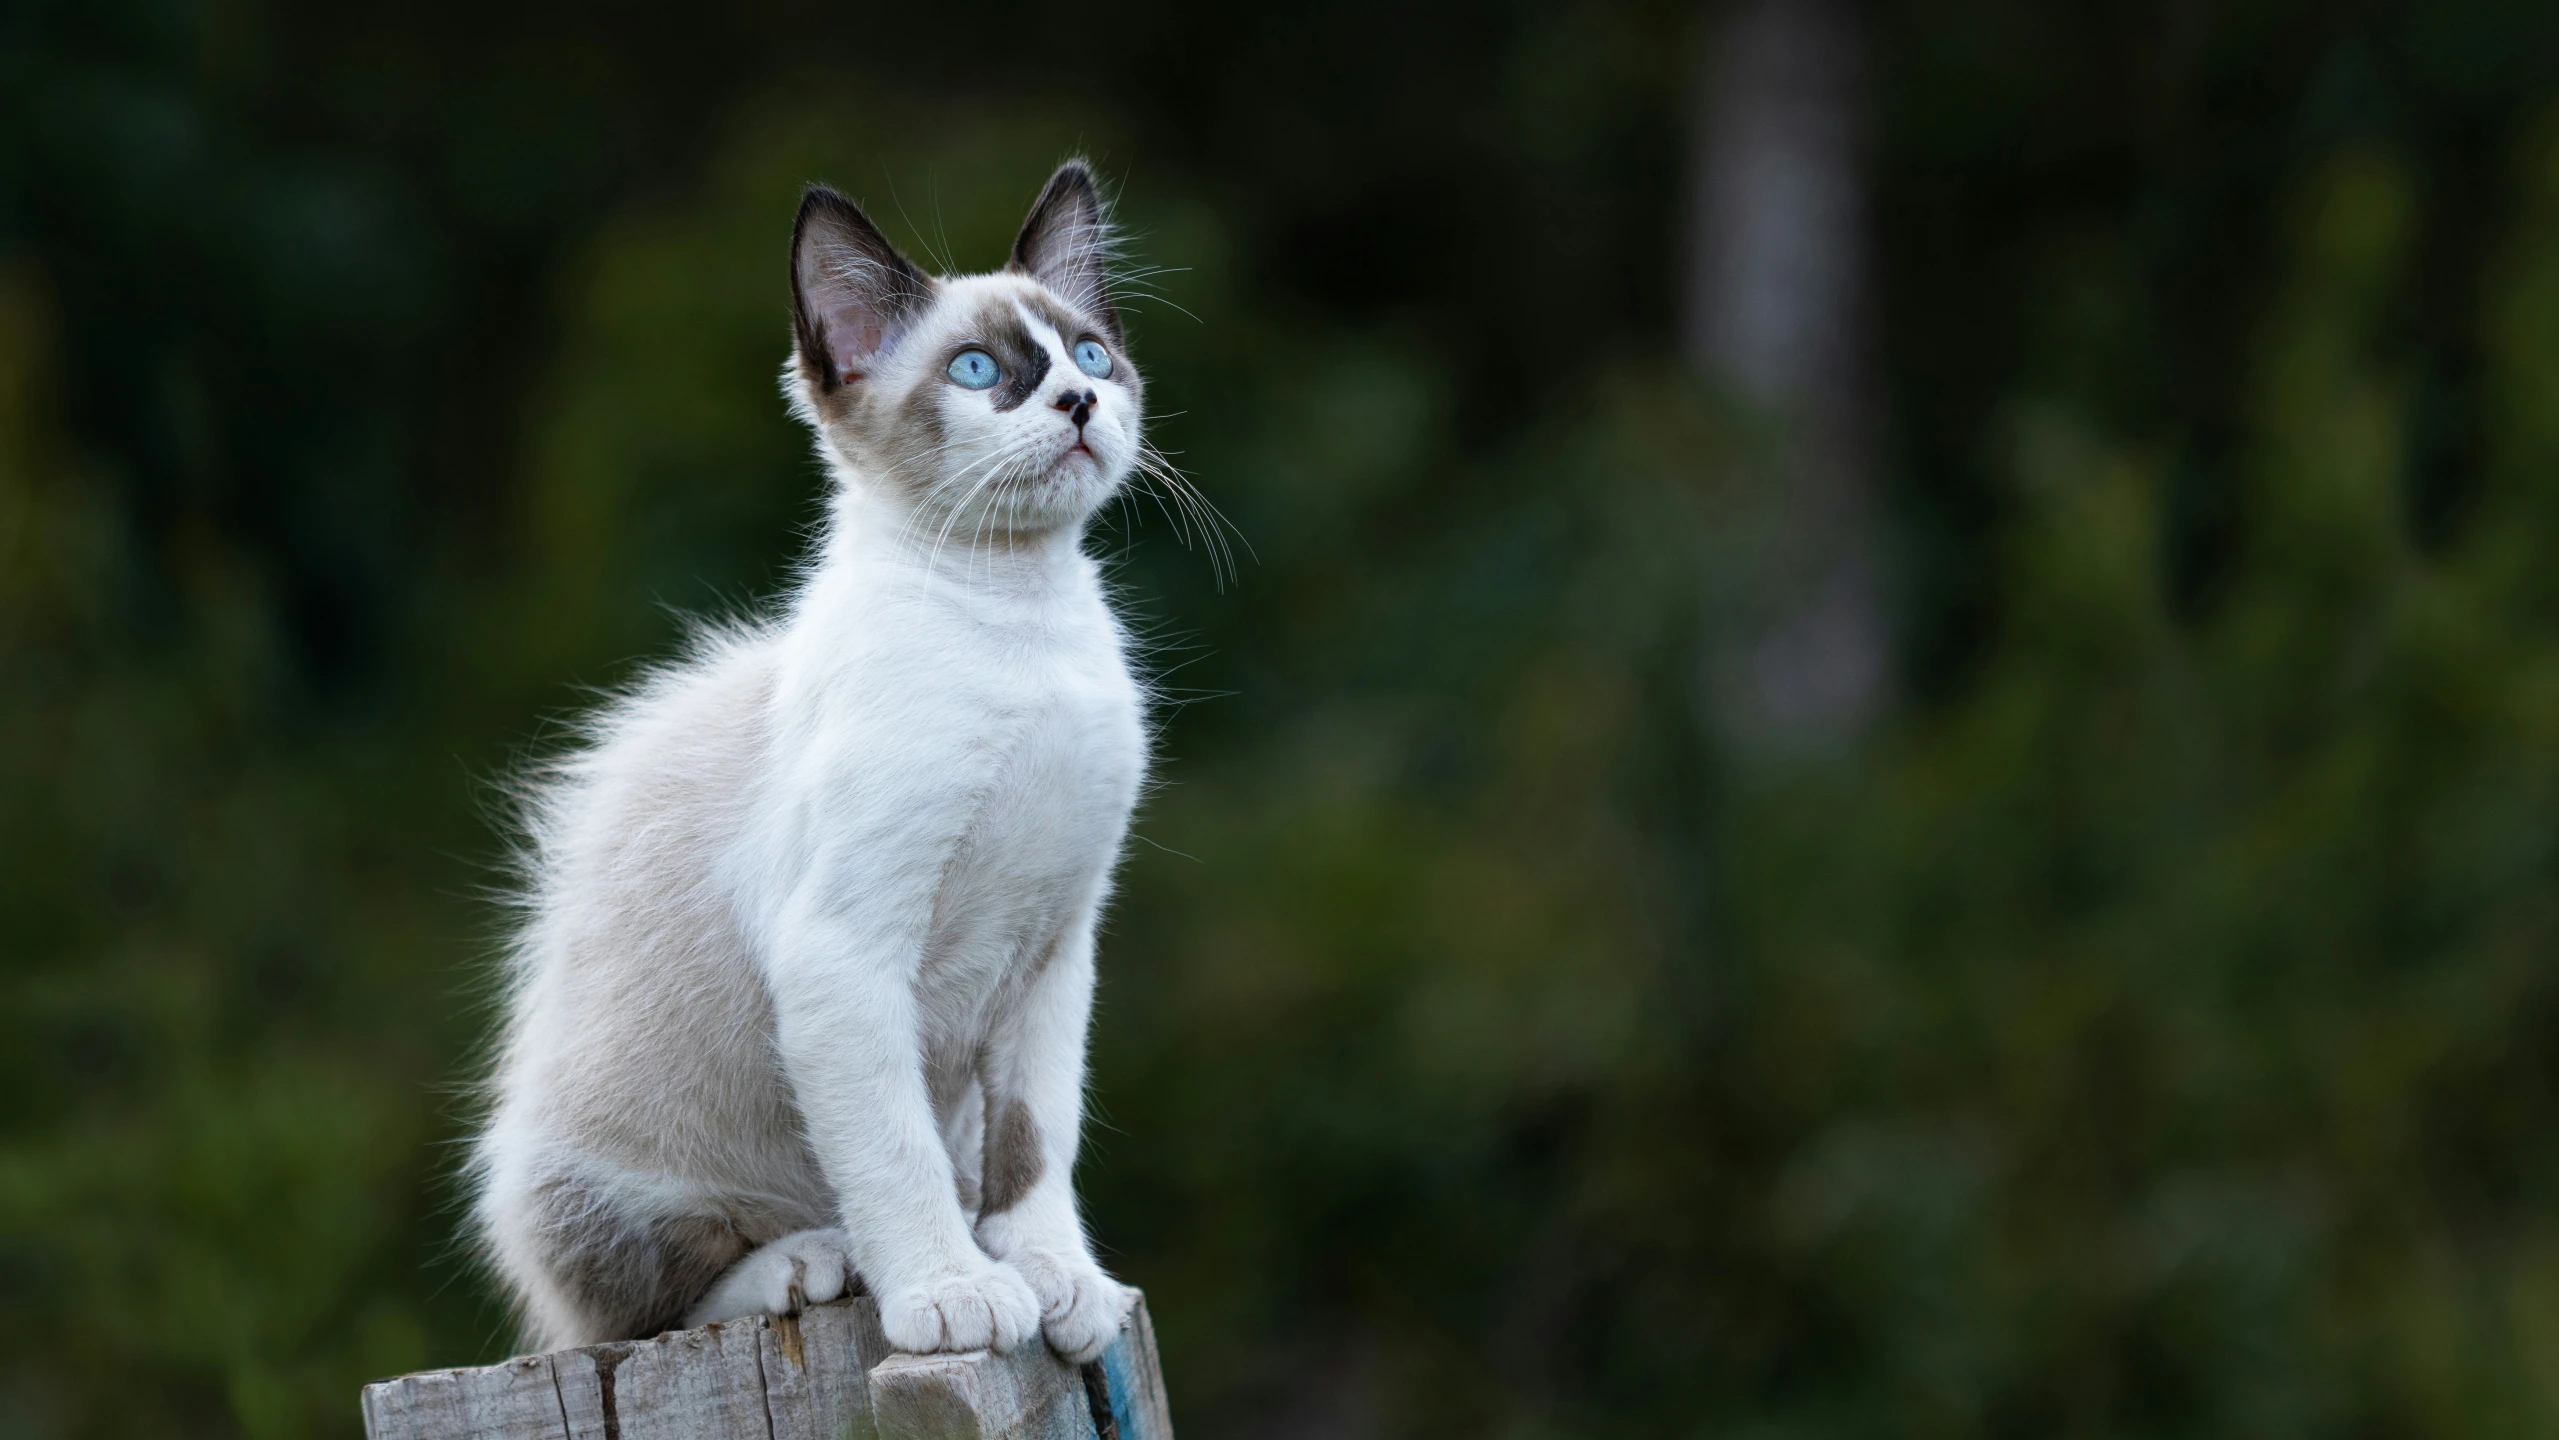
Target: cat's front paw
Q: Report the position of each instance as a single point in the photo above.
(987, 1306)
(1080, 1307)
(810, 1267)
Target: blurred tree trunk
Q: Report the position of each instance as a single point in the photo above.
(1778, 312)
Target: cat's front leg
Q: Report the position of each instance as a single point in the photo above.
(846, 1018)
(1034, 1115)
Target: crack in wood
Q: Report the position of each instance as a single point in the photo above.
(561, 1398)
(1097, 1398)
(764, 1382)
(607, 1360)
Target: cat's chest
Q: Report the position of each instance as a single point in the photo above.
(977, 758)
(1060, 769)
(1060, 758)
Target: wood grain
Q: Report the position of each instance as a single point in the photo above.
(517, 1400)
(825, 1374)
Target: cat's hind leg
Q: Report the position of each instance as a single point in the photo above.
(808, 1268)
(595, 1259)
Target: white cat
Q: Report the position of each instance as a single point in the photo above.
(800, 1000)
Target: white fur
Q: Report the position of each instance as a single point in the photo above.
(809, 900)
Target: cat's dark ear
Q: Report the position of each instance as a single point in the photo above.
(851, 292)
(1066, 243)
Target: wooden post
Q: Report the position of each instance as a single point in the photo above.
(825, 1374)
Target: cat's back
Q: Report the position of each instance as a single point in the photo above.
(626, 910)
(666, 770)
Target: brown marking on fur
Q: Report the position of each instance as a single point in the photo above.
(1046, 957)
(835, 405)
(908, 436)
(633, 1276)
(997, 327)
(898, 438)
(915, 437)
(1013, 1159)
(1071, 325)
(1023, 381)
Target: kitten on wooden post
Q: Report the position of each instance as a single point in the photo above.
(797, 1004)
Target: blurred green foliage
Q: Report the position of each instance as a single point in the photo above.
(2153, 1029)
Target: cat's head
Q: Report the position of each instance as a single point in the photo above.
(1003, 402)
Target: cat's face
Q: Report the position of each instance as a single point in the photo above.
(987, 405)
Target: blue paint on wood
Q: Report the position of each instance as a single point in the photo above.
(1120, 1365)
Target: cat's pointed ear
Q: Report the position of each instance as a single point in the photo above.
(1066, 244)
(851, 292)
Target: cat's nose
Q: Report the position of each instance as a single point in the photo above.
(1078, 405)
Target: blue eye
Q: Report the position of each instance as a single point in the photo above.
(976, 369)
(1092, 359)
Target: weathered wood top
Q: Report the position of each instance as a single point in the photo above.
(826, 1374)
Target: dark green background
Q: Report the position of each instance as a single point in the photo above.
(2151, 1030)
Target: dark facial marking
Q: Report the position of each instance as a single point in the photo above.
(1065, 322)
(1023, 380)
(1013, 1160)
(917, 436)
(1072, 327)
(1000, 329)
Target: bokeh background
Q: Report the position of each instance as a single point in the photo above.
(1886, 761)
